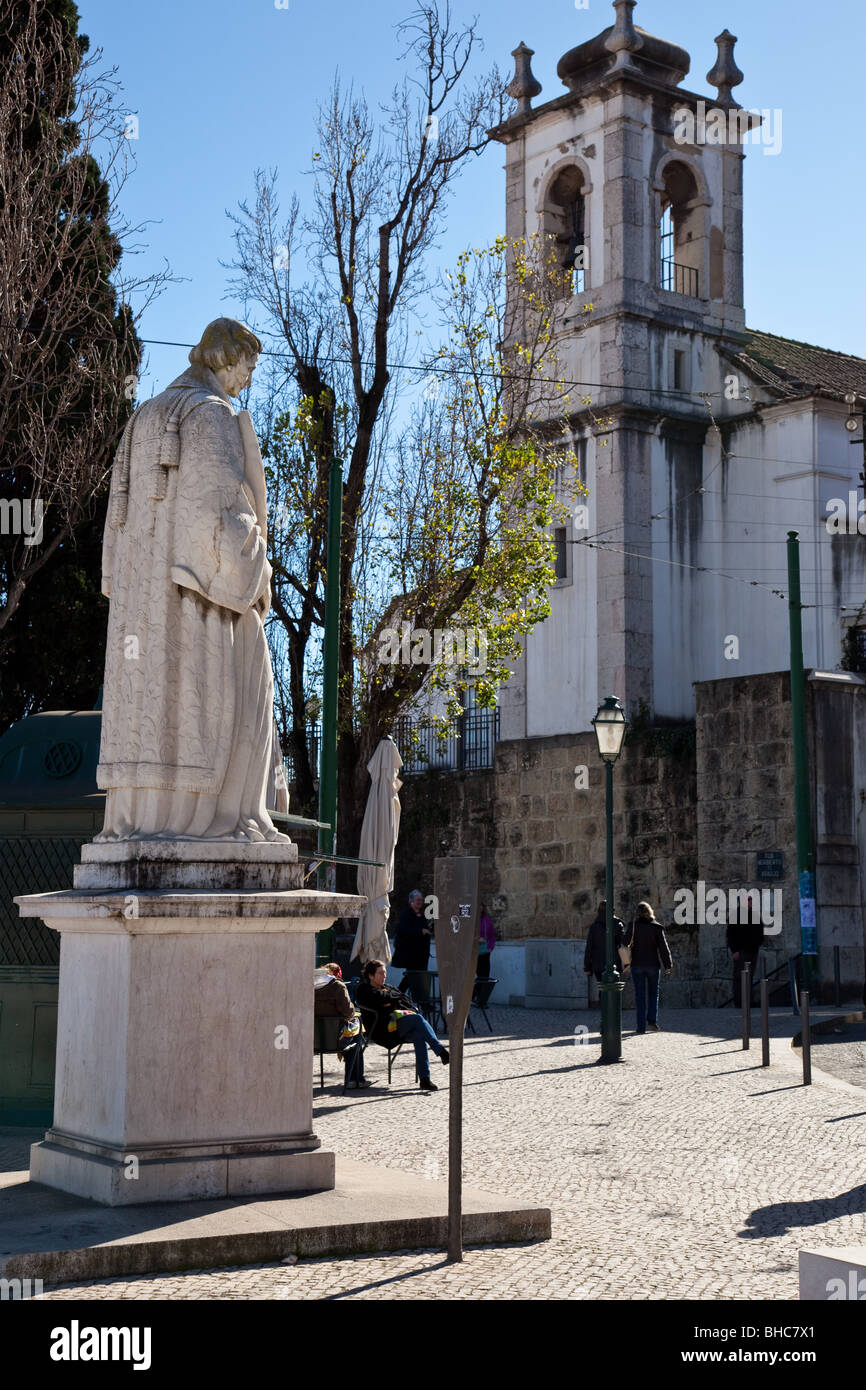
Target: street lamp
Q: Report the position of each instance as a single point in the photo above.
(853, 424)
(609, 725)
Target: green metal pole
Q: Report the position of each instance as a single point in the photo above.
(611, 984)
(330, 679)
(802, 797)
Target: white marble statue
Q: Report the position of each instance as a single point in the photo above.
(187, 717)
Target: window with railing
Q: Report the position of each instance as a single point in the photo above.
(681, 232)
(466, 744)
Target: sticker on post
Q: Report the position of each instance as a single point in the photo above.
(455, 924)
(465, 909)
(449, 1004)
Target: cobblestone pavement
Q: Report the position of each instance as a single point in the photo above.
(688, 1173)
(842, 1053)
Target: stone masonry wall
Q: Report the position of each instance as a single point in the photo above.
(745, 805)
(689, 805)
(542, 840)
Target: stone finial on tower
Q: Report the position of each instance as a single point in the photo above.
(725, 74)
(623, 40)
(523, 85)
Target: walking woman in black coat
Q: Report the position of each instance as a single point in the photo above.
(649, 952)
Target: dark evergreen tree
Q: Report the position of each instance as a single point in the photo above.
(69, 354)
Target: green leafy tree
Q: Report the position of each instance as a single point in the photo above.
(446, 520)
(481, 476)
(380, 190)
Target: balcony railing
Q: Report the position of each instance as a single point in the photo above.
(468, 744)
(680, 279)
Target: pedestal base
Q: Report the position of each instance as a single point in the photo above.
(134, 1179)
(185, 1027)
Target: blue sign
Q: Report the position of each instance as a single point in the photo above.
(771, 865)
(808, 924)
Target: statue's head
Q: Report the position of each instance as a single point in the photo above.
(230, 350)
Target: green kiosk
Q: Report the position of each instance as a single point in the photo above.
(49, 808)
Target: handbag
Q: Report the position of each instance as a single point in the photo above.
(625, 950)
(349, 1035)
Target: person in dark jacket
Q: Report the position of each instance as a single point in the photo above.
(412, 947)
(595, 955)
(388, 1014)
(649, 952)
(744, 943)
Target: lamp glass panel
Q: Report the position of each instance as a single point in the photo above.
(609, 734)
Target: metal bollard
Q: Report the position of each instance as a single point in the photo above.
(806, 1038)
(765, 1024)
(746, 992)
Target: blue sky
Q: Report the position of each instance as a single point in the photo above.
(222, 87)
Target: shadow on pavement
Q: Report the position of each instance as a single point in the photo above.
(436, 1262)
(782, 1217)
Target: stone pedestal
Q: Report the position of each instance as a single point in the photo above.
(185, 1025)
(833, 1275)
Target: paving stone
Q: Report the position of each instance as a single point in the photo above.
(688, 1172)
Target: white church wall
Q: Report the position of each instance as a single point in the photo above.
(561, 667)
(708, 627)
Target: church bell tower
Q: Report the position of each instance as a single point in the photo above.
(645, 212)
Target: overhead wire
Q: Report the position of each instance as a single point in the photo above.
(724, 456)
(426, 369)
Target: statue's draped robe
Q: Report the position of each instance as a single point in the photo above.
(187, 715)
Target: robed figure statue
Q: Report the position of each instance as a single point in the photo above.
(187, 716)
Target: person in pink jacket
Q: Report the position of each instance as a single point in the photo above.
(486, 942)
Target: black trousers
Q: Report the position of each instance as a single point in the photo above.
(482, 969)
(416, 983)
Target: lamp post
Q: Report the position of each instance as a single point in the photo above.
(609, 725)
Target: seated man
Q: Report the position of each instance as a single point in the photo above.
(331, 1000)
(389, 1015)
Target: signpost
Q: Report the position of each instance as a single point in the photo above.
(455, 885)
(802, 794)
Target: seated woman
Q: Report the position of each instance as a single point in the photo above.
(331, 1000)
(389, 1014)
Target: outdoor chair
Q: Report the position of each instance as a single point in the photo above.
(368, 1020)
(325, 1039)
(480, 999)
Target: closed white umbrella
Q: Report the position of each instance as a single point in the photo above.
(378, 841)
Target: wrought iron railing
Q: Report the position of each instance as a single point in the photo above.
(467, 744)
(681, 279)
